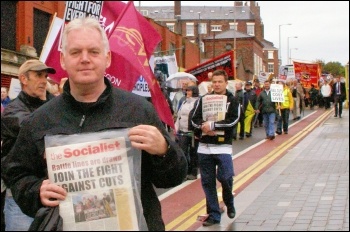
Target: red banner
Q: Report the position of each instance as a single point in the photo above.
(131, 53)
(224, 61)
(307, 73)
(130, 49)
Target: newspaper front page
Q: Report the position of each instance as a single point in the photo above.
(214, 108)
(97, 177)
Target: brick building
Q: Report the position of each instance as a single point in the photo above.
(25, 24)
(218, 29)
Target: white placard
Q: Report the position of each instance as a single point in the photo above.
(277, 93)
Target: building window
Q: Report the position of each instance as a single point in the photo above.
(216, 28)
(144, 12)
(233, 26)
(203, 28)
(8, 22)
(250, 28)
(41, 26)
(228, 47)
(171, 26)
(270, 55)
(270, 67)
(201, 46)
(189, 29)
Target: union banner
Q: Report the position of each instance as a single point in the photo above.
(307, 73)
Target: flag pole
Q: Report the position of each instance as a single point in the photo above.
(50, 29)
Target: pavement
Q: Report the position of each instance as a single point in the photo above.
(306, 189)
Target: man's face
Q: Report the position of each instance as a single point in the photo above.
(85, 60)
(267, 85)
(184, 85)
(219, 84)
(3, 93)
(34, 83)
(210, 88)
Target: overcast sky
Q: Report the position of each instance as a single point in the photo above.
(322, 28)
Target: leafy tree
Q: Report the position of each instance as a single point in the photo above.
(335, 68)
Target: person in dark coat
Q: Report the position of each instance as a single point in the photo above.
(89, 103)
(215, 147)
(339, 95)
(33, 78)
(268, 110)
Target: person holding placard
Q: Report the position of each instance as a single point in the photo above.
(216, 114)
(284, 109)
(265, 105)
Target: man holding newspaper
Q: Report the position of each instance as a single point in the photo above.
(215, 114)
(90, 104)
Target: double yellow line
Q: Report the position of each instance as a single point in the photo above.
(188, 218)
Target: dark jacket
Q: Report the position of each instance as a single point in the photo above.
(250, 96)
(25, 167)
(14, 114)
(264, 103)
(342, 91)
(231, 119)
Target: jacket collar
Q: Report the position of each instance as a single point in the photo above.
(67, 96)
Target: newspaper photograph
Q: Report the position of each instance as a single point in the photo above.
(214, 108)
(97, 178)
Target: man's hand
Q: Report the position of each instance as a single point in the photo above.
(206, 129)
(149, 139)
(51, 194)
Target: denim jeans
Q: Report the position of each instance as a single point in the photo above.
(209, 174)
(283, 120)
(14, 218)
(269, 123)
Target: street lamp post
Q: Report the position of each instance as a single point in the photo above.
(288, 46)
(178, 24)
(199, 36)
(234, 45)
(214, 30)
(279, 42)
(290, 54)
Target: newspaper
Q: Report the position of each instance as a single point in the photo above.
(214, 108)
(98, 179)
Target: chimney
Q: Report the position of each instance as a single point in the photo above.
(177, 8)
(238, 3)
(259, 28)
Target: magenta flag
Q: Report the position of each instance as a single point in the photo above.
(132, 42)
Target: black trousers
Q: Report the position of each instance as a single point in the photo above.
(338, 105)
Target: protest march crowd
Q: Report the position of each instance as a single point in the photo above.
(205, 128)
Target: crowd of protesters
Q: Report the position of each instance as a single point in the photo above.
(206, 151)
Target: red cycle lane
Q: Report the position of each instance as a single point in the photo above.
(188, 200)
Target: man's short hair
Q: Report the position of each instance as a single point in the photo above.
(220, 72)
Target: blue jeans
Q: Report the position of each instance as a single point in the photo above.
(283, 120)
(224, 174)
(269, 121)
(14, 218)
